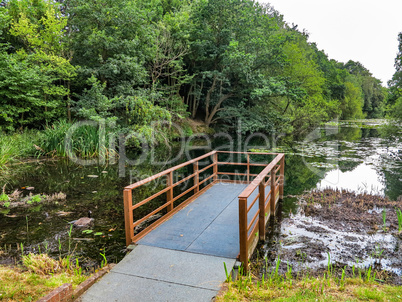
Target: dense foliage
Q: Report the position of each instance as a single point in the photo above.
(135, 63)
(395, 86)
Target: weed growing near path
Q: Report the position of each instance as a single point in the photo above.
(329, 287)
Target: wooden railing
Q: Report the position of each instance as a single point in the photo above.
(170, 198)
(251, 230)
(247, 229)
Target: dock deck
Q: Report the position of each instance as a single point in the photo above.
(181, 256)
(182, 259)
(207, 226)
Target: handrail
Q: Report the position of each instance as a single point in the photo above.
(266, 180)
(254, 184)
(250, 232)
(153, 177)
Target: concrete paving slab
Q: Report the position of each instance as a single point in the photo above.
(155, 274)
(125, 288)
(179, 267)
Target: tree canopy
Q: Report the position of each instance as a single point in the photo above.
(133, 62)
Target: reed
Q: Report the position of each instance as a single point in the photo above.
(399, 215)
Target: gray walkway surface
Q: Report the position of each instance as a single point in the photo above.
(183, 259)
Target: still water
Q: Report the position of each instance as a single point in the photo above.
(349, 158)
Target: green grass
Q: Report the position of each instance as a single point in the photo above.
(84, 140)
(329, 287)
(399, 215)
(17, 145)
(19, 284)
(50, 142)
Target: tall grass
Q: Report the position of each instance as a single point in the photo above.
(17, 145)
(333, 285)
(84, 141)
(399, 215)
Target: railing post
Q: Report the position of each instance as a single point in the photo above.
(261, 218)
(282, 181)
(243, 233)
(169, 193)
(128, 216)
(273, 195)
(248, 168)
(196, 178)
(215, 159)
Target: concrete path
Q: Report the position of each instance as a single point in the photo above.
(183, 259)
(157, 274)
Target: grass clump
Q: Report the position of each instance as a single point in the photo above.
(20, 284)
(399, 215)
(274, 287)
(17, 145)
(38, 275)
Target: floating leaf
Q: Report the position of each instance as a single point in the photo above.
(87, 231)
(98, 233)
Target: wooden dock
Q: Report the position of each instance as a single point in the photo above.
(219, 217)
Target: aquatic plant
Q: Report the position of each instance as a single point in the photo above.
(35, 199)
(329, 265)
(384, 219)
(85, 141)
(17, 145)
(399, 215)
(4, 197)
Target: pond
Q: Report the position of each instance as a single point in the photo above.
(346, 157)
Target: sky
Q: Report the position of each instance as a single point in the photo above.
(358, 30)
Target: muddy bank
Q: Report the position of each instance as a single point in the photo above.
(347, 228)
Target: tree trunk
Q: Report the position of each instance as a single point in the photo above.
(209, 118)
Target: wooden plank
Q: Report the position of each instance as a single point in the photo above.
(253, 203)
(137, 205)
(183, 180)
(169, 195)
(251, 153)
(252, 245)
(206, 168)
(139, 221)
(243, 238)
(183, 193)
(248, 167)
(153, 177)
(215, 160)
(261, 205)
(250, 189)
(272, 201)
(206, 179)
(253, 220)
(196, 178)
(128, 215)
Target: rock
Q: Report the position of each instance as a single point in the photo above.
(83, 222)
(30, 188)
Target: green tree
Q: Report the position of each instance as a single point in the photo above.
(35, 64)
(352, 104)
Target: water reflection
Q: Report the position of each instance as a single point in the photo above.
(362, 179)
